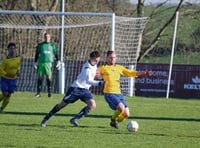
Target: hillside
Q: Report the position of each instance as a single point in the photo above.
(187, 45)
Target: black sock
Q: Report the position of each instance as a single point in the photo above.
(54, 110)
(39, 85)
(49, 85)
(83, 112)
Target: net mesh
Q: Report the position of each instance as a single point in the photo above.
(82, 34)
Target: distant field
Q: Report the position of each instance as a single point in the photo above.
(164, 123)
(187, 35)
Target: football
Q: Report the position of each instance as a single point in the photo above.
(132, 126)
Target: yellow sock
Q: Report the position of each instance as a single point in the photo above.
(5, 102)
(121, 117)
(116, 114)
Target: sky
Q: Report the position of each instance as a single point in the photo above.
(149, 2)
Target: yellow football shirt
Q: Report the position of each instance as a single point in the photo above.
(111, 75)
(10, 66)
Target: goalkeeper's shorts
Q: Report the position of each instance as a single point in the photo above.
(44, 69)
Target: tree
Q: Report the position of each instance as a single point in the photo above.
(52, 5)
(9, 4)
(160, 33)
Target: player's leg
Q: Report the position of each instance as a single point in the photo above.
(48, 73)
(39, 86)
(91, 104)
(4, 87)
(49, 86)
(119, 109)
(114, 119)
(125, 110)
(1, 97)
(6, 100)
(5, 103)
(8, 88)
(85, 96)
(114, 101)
(52, 112)
(123, 115)
(40, 72)
(68, 98)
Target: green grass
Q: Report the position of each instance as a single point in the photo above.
(173, 123)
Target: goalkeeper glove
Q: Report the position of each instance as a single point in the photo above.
(58, 65)
(35, 65)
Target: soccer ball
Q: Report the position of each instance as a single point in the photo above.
(132, 126)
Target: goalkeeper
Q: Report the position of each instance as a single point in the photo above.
(9, 71)
(80, 90)
(45, 54)
(111, 73)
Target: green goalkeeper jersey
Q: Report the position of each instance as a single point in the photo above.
(46, 52)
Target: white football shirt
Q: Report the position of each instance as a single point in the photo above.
(86, 77)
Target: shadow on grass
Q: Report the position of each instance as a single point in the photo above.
(51, 125)
(107, 116)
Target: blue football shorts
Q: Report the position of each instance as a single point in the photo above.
(114, 99)
(8, 85)
(73, 94)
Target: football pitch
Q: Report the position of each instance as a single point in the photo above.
(163, 123)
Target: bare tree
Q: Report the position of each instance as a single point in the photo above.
(9, 4)
(140, 6)
(160, 33)
(52, 4)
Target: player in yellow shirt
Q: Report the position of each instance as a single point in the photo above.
(9, 72)
(111, 73)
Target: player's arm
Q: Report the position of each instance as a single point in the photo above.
(90, 78)
(18, 69)
(2, 67)
(37, 54)
(98, 75)
(55, 52)
(127, 72)
(56, 57)
(36, 57)
(144, 73)
(58, 63)
(134, 73)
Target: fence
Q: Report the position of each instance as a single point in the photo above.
(185, 80)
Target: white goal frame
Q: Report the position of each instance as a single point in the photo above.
(61, 25)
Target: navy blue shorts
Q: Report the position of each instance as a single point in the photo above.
(114, 99)
(73, 94)
(8, 85)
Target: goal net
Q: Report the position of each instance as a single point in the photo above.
(76, 35)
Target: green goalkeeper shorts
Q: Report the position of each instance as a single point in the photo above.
(44, 69)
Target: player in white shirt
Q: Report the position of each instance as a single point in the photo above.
(80, 90)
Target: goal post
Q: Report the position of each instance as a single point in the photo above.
(82, 33)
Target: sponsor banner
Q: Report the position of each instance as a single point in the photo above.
(184, 83)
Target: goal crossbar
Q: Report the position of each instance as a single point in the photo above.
(82, 33)
(53, 16)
